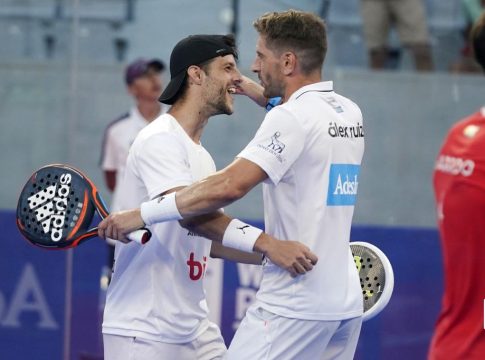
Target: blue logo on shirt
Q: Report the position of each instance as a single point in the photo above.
(342, 185)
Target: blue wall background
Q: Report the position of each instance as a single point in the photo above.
(31, 277)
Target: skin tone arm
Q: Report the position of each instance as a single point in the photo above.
(213, 225)
(220, 189)
(210, 226)
(110, 179)
(206, 197)
(203, 197)
(221, 252)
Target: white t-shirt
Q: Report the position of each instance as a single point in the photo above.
(311, 148)
(118, 137)
(156, 291)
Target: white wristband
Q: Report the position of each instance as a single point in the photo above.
(240, 236)
(160, 209)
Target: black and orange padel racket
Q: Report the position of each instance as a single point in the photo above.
(56, 208)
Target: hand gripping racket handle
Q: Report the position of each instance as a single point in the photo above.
(141, 236)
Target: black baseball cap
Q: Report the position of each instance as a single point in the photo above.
(193, 50)
(140, 67)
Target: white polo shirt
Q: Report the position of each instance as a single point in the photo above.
(118, 137)
(156, 291)
(311, 148)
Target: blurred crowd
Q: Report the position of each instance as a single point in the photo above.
(409, 20)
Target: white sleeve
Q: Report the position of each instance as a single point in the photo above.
(109, 158)
(162, 164)
(277, 144)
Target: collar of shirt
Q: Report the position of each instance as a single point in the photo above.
(324, 86)
(182, 131)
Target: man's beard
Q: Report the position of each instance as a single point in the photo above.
(220, 105)
(271, 89)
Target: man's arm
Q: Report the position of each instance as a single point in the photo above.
(109, 161)
(110, 179)
(204, 199)
(222, 252)
(212, 226)
(292, 256)
(221, 189)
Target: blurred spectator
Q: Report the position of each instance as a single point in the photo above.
(459, 185)
(472, 9)
(144, 84)
(409, 19)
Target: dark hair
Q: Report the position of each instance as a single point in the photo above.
(301, 32)
(478, 40)
(230, 41)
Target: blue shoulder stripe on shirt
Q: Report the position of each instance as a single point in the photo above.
(272, 102)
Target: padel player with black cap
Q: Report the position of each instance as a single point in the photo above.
(156, 306)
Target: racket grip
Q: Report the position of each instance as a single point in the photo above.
(141, 236)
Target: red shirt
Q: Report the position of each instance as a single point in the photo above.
(459, 185)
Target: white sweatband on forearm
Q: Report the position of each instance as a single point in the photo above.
(160, 209)
(240, 236)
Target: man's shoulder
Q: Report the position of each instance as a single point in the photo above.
(281, 113)
(476, 118)
(160, 130)
(118, 122)
(332, 103)
(160, 126)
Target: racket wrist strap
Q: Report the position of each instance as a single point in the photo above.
(240, 236)
(160, 209)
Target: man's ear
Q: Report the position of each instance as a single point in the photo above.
(194, 75)
(288, 62)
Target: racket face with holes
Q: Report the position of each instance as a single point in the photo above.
(376, 277)
(56, 207)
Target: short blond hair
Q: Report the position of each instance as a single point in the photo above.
(301, 32)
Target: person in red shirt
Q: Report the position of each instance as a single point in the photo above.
(459, 186)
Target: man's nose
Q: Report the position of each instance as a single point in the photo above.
(255, 66)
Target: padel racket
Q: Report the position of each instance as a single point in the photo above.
(56, 208)
(376, 277)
